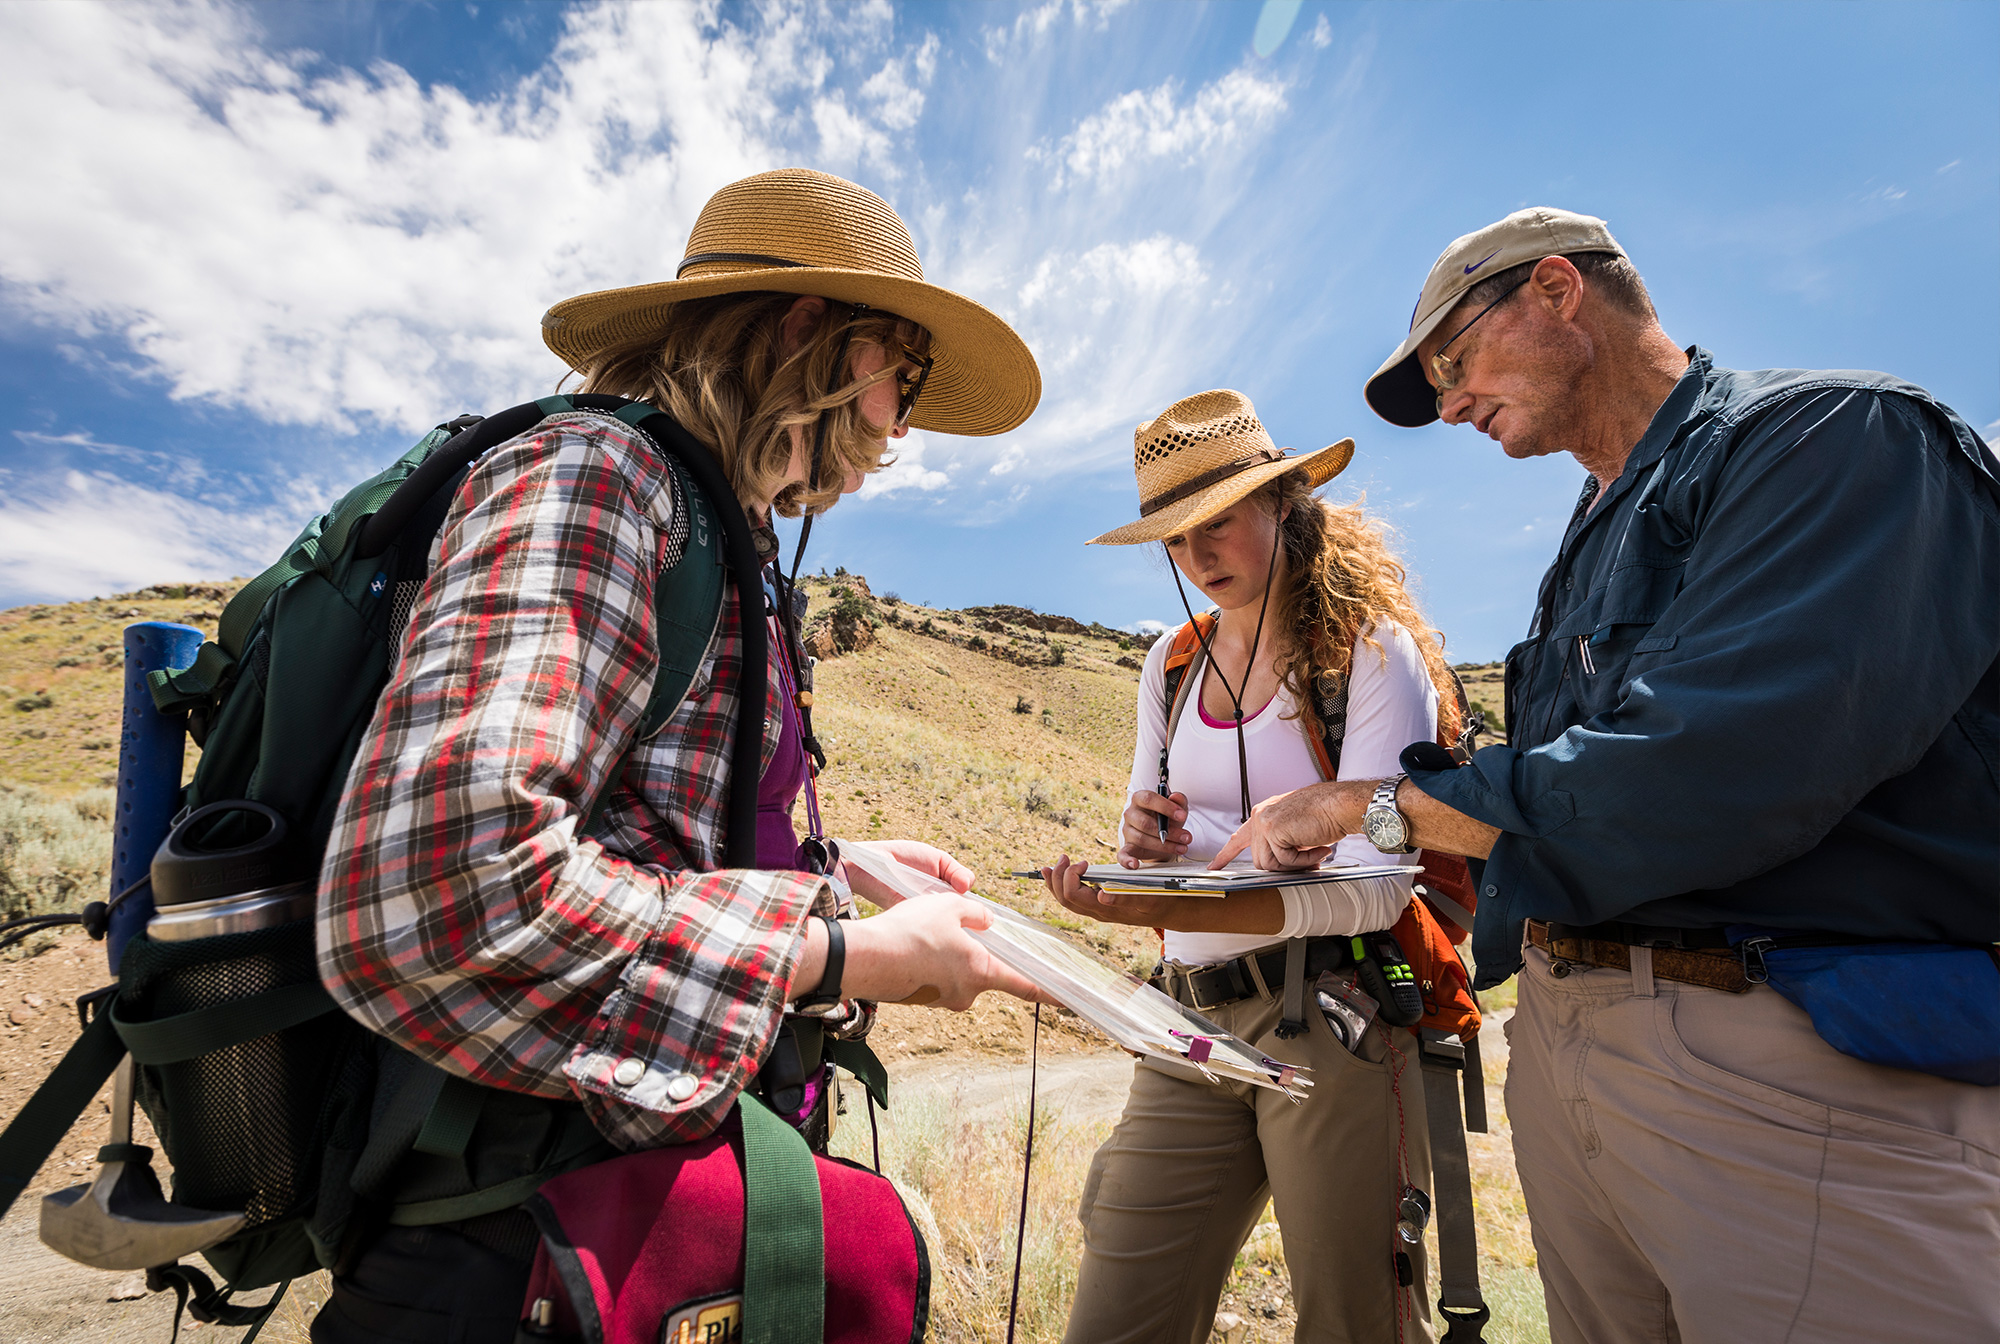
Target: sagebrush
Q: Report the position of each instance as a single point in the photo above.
(55, 851)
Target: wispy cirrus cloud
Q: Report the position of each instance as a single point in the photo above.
(1034, 22)
(1151, 124)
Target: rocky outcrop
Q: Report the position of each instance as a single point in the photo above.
(848, 623)
(1027, 619)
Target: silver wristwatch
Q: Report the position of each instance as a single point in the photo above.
(1386, 828)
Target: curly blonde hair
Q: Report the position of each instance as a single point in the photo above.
(719, 368)
(1341, 578)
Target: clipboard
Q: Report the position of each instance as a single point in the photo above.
(1127, 1009)
(1131, 1012)
(1193, 877)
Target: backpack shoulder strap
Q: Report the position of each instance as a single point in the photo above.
(1184, 655)
(687, 601)
(1460, 1301)
(1187, 641)
(1470, 723)
(1331, 714)
(784, 1279)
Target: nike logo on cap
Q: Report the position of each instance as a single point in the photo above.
(1482, 261)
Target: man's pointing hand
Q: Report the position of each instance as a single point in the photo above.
(1292, 830)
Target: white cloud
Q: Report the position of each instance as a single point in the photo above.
(1113, 272)
(1322, 34)
(847, 140)
(897, 89)
(1116, 330)
(317, 246)
(74, 439)
(56, 450)
(907, 472)
(96, 532)
(1032, 24)
(332, 247)
(1151, 124)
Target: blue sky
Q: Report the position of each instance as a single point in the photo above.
(247, 253)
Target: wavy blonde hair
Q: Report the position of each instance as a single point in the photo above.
(717, 366)
(1341, 577)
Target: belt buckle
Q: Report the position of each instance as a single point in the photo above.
(1672, 940)
(1195, 1001)
(1187, 974)
(1566, 951)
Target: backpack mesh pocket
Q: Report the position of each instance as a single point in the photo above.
(244, 1126)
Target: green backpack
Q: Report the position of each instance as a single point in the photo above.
(233, 1034)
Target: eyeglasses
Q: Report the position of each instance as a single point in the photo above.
(910, 386)
(1447, 368)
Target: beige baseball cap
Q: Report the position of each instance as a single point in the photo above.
(1399, 392)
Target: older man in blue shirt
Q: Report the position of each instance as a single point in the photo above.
(1758, 708)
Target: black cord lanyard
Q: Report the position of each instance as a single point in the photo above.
(1208, 655)
(815, 845)
(819, 443)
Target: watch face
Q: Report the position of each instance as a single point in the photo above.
(1385, 830)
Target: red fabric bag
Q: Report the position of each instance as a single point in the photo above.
(663, 1247)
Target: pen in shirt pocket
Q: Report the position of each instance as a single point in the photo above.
(1166, 821)
(1583, 651)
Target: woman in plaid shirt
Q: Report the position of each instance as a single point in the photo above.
(466, 913)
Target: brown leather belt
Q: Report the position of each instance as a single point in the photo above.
(1709, 963)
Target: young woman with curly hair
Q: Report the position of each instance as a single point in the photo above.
(1312, 622)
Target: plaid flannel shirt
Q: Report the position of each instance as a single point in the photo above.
(461, 912)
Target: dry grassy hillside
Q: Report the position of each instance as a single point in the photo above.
(60, 671)
(999, 734)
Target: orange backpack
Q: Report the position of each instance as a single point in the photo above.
(1446, 898)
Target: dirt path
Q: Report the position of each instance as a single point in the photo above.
(43, 1297)
(51, 1299)
(1076, 1087)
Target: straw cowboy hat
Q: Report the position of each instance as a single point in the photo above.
(795, 231)
(1203, 454)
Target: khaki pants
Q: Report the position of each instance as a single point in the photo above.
(1175, 1190)
(1701, 1166)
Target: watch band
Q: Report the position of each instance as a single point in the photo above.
(828, 993)
(1385, 799)
(835, 876)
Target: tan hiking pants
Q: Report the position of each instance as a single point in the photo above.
(1175, 1190)
(1701, 1166)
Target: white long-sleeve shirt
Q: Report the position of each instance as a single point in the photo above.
(1390, 704)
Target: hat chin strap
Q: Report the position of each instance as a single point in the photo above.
(819, 448)
(787, 611)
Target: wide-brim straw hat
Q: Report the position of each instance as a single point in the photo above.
(796, 231)
(1203, 454)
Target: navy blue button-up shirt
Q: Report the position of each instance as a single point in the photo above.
(1762, 685)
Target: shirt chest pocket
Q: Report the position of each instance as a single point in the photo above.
(1614, 625)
